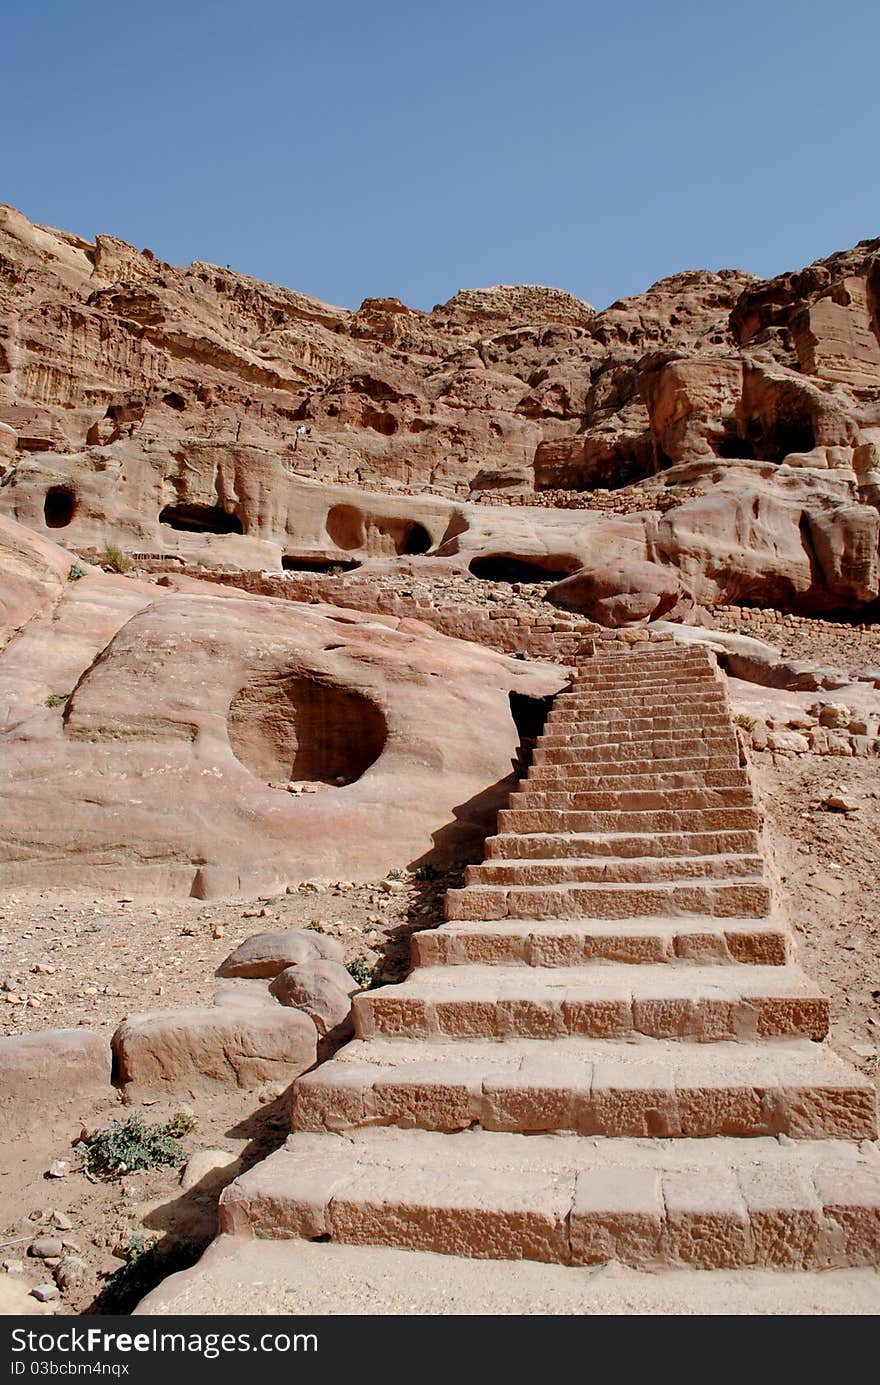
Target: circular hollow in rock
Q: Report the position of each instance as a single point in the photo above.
(285, 727)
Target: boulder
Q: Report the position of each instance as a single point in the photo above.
(189, 1051)
(265, 954)
(622, 592)
(43, 1072)
(319, 991)
(209, 1169)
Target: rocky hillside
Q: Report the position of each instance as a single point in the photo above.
(498, 388)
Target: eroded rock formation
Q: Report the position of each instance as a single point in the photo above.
(199, 412)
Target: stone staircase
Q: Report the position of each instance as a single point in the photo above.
(607, 1052)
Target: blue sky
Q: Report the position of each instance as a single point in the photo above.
(388, 148)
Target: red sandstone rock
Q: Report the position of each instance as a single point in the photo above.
(620, 593)
(187, 1051)
(42, 1073)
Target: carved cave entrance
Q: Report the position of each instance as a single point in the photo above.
(504, 567)
(201, 519)
(59, 506)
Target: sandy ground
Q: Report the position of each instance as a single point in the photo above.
(69, 960)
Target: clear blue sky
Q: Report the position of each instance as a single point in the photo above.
(383, 147)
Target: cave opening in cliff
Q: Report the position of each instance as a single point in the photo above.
(201, 519)
(334, 566)
(416, 540)
(775, 441)
(292, 727)
(503, 567)
(59, 506)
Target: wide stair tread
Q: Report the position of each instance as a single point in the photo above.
(613, 899)
(568, 1200)
(602, 999)
(572, 942)
(654, 1087)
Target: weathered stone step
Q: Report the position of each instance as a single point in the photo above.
(589, 712)
(657, 659)
(575, 776)
(662, 663)
(626, 729)
(572, 942)
(713, 747)
(699, 767)
(684, 820)
(592, 1087)
(539, 845)
(493, 1195)
(722, 898)
(601, 999)
(562, 795)
(620, 869)
(645, 677)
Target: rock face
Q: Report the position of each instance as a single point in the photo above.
(170, 725)
(198, 412)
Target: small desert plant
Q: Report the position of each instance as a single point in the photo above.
(57, 699)
(180, 1124)
(316, 926)
(360, 971)
(426, 872)
(126, 1147)
(745, 721)
(114, 560)
(76, 572)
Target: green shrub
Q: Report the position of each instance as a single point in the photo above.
(76, 572)
(745, 721)
(127, 1147)
(360, 971)
(57, 699)
(114, 560)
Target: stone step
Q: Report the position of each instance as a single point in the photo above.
(590, 713)
(654, 1088)
(705, 1204)
(573, 777)
(571, 942)
(684, 820)
(713, 751)
(601, 999)
(648, 668)
(684, 676)
(705, 692)
(674, 660)
(697, 766)
(554, 845)
(563, 795)
(627, 729)
(610, 869)
(722, 898)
